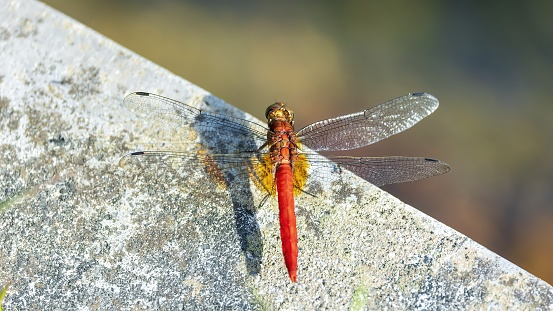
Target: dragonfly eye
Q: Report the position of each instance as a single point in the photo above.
(272, 108)
(290, 115)
(279, 111)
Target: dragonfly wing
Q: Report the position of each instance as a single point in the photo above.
(369, 126)
(168, 114)
(380, 170)
(224, 169)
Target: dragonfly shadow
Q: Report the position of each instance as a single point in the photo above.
(247, 226)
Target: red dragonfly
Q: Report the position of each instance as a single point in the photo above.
(275, 156)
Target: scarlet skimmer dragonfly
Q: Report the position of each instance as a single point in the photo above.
(277, 161)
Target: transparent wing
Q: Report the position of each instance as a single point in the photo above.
(369, 126)
(379, 170)
(244, 166)
(168, 114)
(224, 169)
(189, 160)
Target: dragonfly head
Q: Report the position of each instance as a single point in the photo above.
(279, 111)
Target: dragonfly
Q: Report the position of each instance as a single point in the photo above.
(279, 159)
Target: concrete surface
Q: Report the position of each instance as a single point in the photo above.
(78, 232)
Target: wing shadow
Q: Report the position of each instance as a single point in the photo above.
(247, 226)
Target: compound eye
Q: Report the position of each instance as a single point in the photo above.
(290, 114)
(273, 107)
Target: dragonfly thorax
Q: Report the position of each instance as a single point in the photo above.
(280, 112)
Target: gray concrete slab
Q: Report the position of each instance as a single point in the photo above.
(79, 232)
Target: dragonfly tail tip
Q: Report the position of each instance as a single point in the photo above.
(293, 276)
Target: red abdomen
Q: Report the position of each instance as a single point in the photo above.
(287, 216)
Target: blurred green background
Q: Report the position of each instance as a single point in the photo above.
(489, 63)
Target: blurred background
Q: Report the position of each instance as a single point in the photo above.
(490, 65)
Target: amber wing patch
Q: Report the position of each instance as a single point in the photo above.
(263, 174)
(299, 168)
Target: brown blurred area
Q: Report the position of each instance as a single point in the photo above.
(490, 64)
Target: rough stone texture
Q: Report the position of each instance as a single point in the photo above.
(77, 231)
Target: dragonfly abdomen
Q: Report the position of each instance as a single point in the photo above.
(287, 217)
